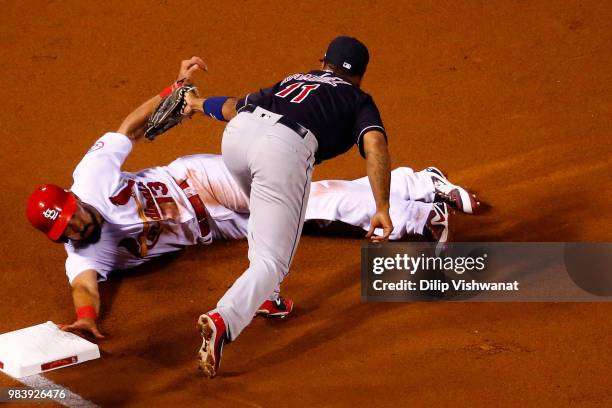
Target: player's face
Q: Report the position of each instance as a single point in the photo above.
(85, 226)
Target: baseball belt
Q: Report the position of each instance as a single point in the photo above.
(198, 207)
(296, 127)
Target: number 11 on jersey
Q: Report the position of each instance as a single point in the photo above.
(305, 90)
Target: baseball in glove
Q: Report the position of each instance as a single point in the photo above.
(169, 112)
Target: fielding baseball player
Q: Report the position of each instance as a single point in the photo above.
(273, 140)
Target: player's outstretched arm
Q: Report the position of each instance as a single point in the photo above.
(133, 126)
(86, 300)
(217, 107)
(378, 164)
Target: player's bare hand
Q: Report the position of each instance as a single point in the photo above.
(193, 104)
(190, 66)
(380, 220)
(85, 325)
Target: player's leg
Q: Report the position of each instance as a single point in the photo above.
(273, 166)
(408, 184)
(429, 185)
(208, 175)
(281, 168)
(412, 185)
(230, 229)
(341, 200)
(351, 202)
(229, 209)
(214, 327)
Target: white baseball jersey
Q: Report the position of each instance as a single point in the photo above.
(146, 214)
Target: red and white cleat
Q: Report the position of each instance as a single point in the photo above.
(437, 223)
(214, 335)
(280, 307)
(437, 228)
(457, 196)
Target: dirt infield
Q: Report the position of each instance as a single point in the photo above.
(511, 98)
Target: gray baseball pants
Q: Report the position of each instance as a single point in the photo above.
(273, 165)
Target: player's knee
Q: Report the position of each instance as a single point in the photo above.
(270, 266)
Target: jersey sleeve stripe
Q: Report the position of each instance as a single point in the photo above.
(382, 129)
(365, 129)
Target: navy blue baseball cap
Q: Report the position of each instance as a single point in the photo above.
(348, 53)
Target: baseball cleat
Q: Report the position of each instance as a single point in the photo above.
(457, 196)
(435, 170)
(437, 223)
(280, 307)
(214, 335)
(437, 227)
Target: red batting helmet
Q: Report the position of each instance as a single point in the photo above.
(50, 207)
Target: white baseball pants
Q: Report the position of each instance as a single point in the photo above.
(348, 201)
(352, 202)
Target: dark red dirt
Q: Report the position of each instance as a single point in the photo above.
(512, 99)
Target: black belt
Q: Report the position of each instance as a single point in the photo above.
(296, 127)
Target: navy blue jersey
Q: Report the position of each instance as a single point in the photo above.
(336, 111)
